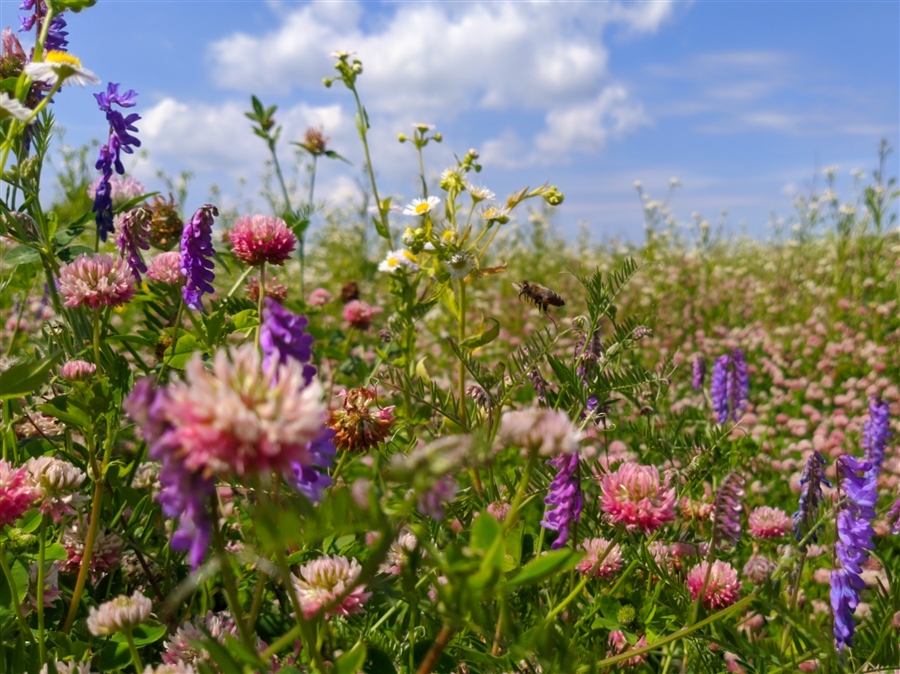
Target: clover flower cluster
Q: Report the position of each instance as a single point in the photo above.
(239, 418)
(110, 158)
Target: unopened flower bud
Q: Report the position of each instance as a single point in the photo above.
(438, 137)
(402, 137)
(553, 196)
(327, 81)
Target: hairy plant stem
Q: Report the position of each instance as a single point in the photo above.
(135, 656)
(178, 316)
(97, 339)
(94, 527)
(17, 606)
(42, 554)
(260, 301)
(228, 579)
(520, 493)
(382, 213)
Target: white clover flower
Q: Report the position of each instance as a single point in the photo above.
(398, 259)
(459, 264)
(421, 206)
(10, 107)
(479, 193)
(119, 615)
(60, 66)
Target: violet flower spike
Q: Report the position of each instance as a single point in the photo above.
(698, 373)
(856, 511)
(282, 335)
(718, 388)
(876, 433)
(727, 509)
(196, 256)
(565, 494)
(811, 481)
(738, 385)
(120, 140)
(133, 236)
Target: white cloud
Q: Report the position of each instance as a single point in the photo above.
(438, 60)
(585, 127)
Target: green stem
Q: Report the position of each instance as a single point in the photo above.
(584, 581)
(362, 134)
(135, 656)
(17, 606)
(262, 297)
(422, 172)
(230, 587)
(340, 465)
(178, 316)
(93, 530)
(675, 636)
(97, 338)
(42, 645)
(461, 392)
(520, 493)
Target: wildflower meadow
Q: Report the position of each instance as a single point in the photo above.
(430, 434)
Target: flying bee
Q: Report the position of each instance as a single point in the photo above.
(538, 295)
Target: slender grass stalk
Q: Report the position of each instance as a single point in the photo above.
(520, 493)
(228, 579)
(382, 212)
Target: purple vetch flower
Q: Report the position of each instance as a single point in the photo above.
(738, 384)
(134, 232)
(185, 494)
(811, 481)
(893, 515)
(120, 140)
(310, 479)
(727, 510)
(699, 372)
(565, 494)
(729, 386)
(196, 253)
(876, 432)
(431, 503)
(56, 33)
(856, 510)
(282, 335)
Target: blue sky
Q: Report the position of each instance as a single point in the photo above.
(744, 102)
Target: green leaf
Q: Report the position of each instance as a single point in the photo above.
(71, 252)
(539, 568)
(21, 254)
(378, 662)
(25, 377)
(184, 348)
(55, 552)
(59, 408)
(485, 531)
(352, 661)
(143, 634)
(72, 5)
(486, 336)
(115, 655)
(245, 320)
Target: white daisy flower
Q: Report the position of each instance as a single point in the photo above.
(479, 193)
(500, 215)
(341, 54)
(398, 259)
(424, 128)
(59, 65)
(459, 265)
(10, 107)
(421, 206)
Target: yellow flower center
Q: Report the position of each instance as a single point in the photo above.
(424, 207)
(408, 256)
(61, 58)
